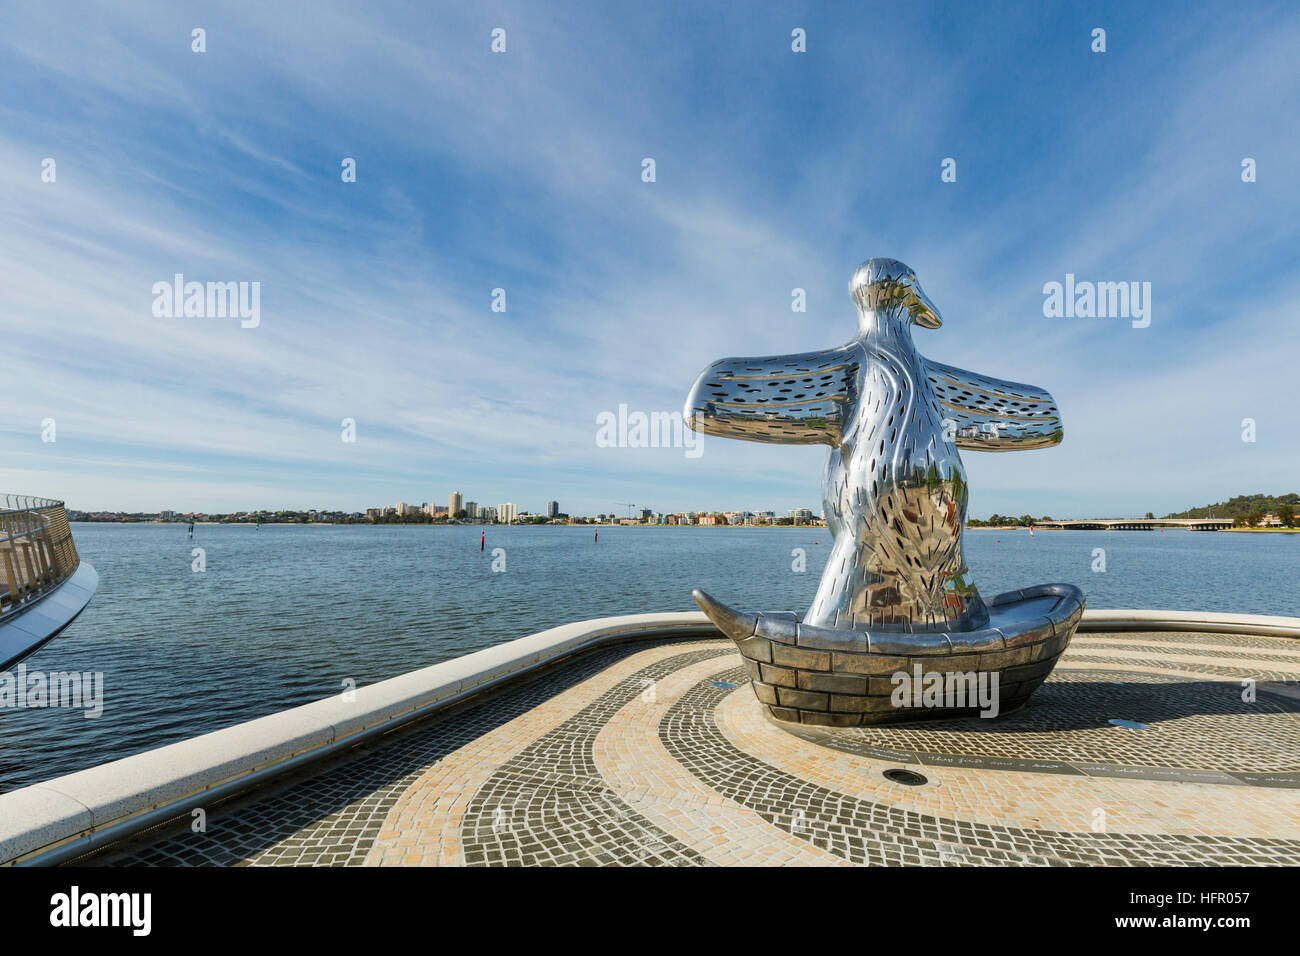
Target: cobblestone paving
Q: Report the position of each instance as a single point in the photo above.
(331, 815)
(1149, 638)
(1239, 672)
(550, 805)
(573, 768)
(1206, 651)
(875, 834)
(1190, 724)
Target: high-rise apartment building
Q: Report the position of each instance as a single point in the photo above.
(552, 509)
(455, 504)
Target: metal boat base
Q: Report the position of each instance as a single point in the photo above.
(805, 674)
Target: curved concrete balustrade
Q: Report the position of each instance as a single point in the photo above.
(59, 819)
(1133, 620)
(43, 618)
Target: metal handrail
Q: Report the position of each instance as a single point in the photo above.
(27, 503)
(37, 553)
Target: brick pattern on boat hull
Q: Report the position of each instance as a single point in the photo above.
(807, 675)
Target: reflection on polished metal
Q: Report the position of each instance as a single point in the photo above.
(896, 585)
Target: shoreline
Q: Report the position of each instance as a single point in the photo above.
(786, 527)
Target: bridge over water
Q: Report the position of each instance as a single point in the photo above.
(1139, 524)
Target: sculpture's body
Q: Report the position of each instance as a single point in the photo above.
(894, 490)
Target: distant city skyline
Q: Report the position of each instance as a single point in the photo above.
(501, 277)
(406, 508)
(552, 509)
(509, 511)
(1058, 513)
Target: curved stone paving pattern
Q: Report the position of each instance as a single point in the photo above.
(1194, 725)
(635, 764)
(332, 818)
(550, 804)
(1235, 672)
(1235, 641)
(1196, 651)
(875, 834)
(571, 768)
(1038, 801)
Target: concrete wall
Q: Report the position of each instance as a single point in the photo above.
(59, 819)
(44, 618)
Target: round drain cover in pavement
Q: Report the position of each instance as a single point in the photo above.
(1130, 724)
(907, 777)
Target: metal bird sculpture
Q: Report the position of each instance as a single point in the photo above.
(895, 495)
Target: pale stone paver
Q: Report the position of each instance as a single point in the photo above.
(423, 827)
(1029, 800)
(1290, 667)
(584, 766)
(1283, 650)
(633, 761)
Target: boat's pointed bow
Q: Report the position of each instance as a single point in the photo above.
(728, 620)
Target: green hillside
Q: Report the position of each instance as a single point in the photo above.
(1241, 506)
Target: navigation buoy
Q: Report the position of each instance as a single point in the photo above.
(482, 540)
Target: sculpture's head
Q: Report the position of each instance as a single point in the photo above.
(889, 286)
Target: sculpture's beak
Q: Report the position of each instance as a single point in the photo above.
(924, 312)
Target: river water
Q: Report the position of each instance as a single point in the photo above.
(283, 615)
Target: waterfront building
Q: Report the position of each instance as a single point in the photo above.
(552, 509)
(471, 510)
(507, 512)
(455, 503)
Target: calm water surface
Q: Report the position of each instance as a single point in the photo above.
(283, 615)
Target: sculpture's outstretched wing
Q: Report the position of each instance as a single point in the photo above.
(993, 415)
(788, 399)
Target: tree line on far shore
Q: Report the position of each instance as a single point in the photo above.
(1006, 521)
(1249, 508)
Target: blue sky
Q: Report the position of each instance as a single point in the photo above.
(522, 171)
